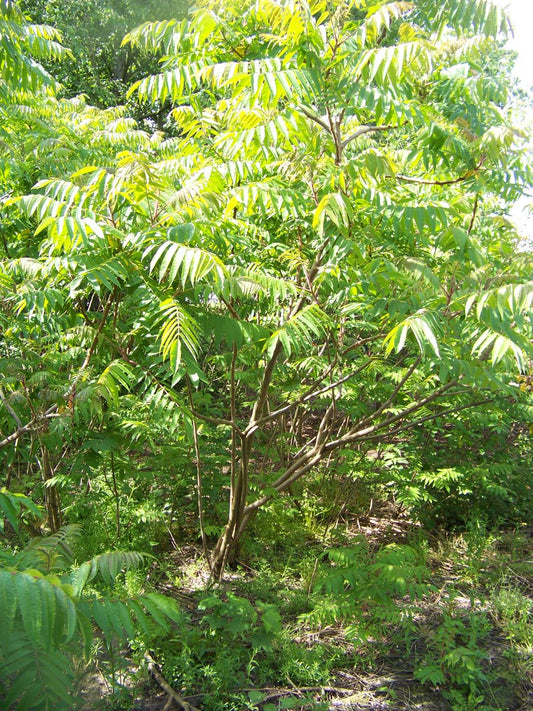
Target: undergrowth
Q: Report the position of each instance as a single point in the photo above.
(318, 607)
(446, 622)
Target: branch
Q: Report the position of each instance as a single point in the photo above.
(365, 129)
(303, 689)
(315, 118)
(474, 213)
(10, 409)
(212, 420)
(260, 402)
(230, 308)
(233, 415)
(395, 392)
(199, 487)
(369, 432)
(323, 428)
(276, 693)
(308, 396)
(423, 181)
(451, 181)
(92, 348)
(206, 418)
(434, 416)
(268, 374)
(313, 456)
(294, 472)
(263, 392)
(52, 411)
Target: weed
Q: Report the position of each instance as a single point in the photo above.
(513, 613)
(454, 658)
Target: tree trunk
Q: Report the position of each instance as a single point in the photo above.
(227, 545)
(51, 494)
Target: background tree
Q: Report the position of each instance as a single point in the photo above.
(47, 615)
(93, 30)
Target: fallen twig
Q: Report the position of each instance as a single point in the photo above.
(154, 671)
(273, 692)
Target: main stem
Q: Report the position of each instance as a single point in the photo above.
(242, 441)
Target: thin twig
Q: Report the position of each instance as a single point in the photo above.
(309, 395)
(434, 416)
(474, 213)
(424, 181)
(301, 689)
(51, 412)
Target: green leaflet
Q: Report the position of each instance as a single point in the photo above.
(20, 45)
(116, 375)
(13, 505)
(499, 346)
(46, 611)
(388, 66)
(479, 16)
(186, 265)
(41, 614)
(179, 329)
(40, 680)
(423, 326)
(231, 331)
(298, 332)
(109, 565)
